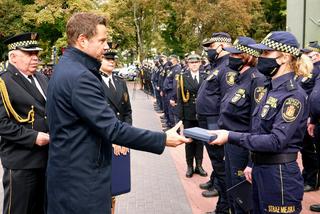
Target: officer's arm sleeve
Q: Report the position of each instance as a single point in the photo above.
(281, 134)
(14, 132)
(89, 102)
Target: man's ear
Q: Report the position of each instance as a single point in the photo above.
(82, 41)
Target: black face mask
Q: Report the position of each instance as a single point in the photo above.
(268, 66)
(212, 55)
(235, 64)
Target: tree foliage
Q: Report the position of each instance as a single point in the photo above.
(145, 27)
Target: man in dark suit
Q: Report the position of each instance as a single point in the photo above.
(189, 83)
(23, 127)
(83, 127)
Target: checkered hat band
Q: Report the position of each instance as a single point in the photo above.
(247, 50)
(27, 43)
(281, 47)
(221, 39)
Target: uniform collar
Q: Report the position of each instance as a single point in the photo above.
(245, 74)
(282, 79)
(88, 61)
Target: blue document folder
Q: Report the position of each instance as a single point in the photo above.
(199, 134)
(120, 174)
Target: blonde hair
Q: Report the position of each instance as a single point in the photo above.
(302, 65)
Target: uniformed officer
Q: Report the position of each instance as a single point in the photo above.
(311, 149)
(157, 71)
(314, 125)
(23, 127)
(189, 83)
(278, 126)
(211, 92)
(236, 109)
(170, 90)
(118, 98)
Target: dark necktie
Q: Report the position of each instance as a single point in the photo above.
(195, 79)
(32, 81)
(111, 87)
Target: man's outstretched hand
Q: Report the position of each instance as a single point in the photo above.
(173, 138)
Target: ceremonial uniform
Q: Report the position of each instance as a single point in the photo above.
(170, 91)
(187, 95)
(22, 117)
(212, 90)
(311, 150)
(278, 127)
(236, 109)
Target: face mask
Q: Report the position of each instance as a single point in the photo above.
(235, 64)
(212, 55)
(268, 66)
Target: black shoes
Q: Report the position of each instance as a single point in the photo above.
(308, 188)
(315, 208)
(206, 185)
(200, 171)
(189, 172)
(212, 192)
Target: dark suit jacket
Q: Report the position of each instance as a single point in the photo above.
(17, 148)
(82, 130)
(119, 102)
(187, 110)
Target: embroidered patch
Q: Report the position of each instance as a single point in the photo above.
(265, 111)
(238, 95)
(304, 79)
(281, 209)
(259, 92)
(230, 78)
(291, 109)
(272, 101)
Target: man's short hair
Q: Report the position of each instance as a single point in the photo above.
(83, 23)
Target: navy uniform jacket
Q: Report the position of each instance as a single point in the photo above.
(214, 88)
(120, 102)
(18, 149)
(238, 104)
(307, 83)
(279, 121)
(170, 83)
(187, 110)
(82, 129)
(314, 101)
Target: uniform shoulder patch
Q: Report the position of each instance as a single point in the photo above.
(291, 109)
(259, 92)
(240, 93)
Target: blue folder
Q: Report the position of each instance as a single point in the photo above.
(120, 174)
(199, 134)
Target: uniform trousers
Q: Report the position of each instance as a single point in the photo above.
(24, 191)
(277, 188)
(194, 150)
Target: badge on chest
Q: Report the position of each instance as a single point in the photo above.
(259, 92)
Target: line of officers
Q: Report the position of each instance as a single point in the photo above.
(222, 91)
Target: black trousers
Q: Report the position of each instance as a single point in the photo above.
(194, 150)
(218, 174)
(24, 191)
(311, 159)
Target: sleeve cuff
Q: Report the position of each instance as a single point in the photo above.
(234, 137)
